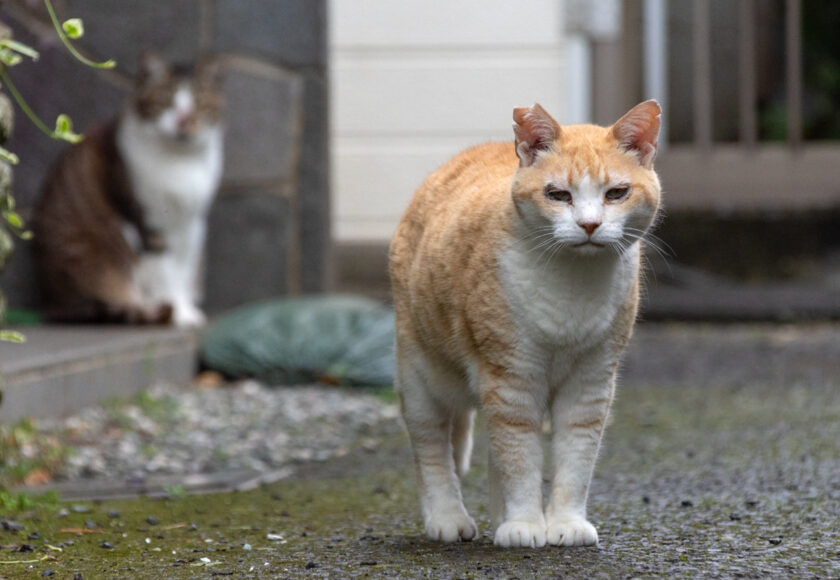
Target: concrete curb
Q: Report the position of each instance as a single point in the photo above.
(61, 369)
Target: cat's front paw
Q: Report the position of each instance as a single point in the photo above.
(572, 531)
(520, 534)
(451, 527)
(188, 316)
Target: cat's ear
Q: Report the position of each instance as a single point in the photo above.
(638, 131)
(535, 131)
(209, 70)
(153, 68)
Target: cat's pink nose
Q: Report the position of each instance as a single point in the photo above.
(589, 227)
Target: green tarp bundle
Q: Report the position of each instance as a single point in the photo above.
(340, 339)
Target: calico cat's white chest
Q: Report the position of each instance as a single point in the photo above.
(174, 184)
(570, 302)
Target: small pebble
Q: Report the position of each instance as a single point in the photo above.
(113, 514)
(246, 547)
(368, 563)
(62, 513)
(12, 526)
(78, 576)
(152, 521)
(26, 548)
(309, 422)
(775, 541)
(79, 509)
(734, 516)
(48, 572)
(89, 524)
(274, 537)
(311, 565)
(106, 545)
(33, 536)
(686, 503)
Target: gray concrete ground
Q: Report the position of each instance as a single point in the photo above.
(722, 460)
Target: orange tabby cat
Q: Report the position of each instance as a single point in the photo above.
(516, 287)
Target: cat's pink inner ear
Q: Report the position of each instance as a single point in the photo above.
(535, 131)
(638, 131)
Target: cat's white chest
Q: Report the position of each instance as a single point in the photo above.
(173, 184)
(567, 303)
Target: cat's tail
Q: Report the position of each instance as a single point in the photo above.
(462, 440)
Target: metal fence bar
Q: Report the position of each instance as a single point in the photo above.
(793, 66)
(702, 74)
(746, 74)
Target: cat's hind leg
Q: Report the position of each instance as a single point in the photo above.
(429, 424)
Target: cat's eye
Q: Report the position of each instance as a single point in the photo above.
(617, 193)
(558, 195)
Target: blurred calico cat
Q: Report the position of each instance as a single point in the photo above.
(120, 226)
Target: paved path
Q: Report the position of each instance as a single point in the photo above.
(722, 460)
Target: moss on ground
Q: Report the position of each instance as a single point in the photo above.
(711, 480)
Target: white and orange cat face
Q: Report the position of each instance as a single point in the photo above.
(589, 187)
(181, 104)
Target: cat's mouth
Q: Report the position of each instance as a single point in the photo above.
(589, 244)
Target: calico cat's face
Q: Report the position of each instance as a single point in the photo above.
(182, 104)
(584, 187)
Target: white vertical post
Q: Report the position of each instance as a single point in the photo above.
(655, 64)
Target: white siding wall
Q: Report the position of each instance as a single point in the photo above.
(415, 81)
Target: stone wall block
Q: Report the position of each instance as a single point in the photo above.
(247, 249)
(114, 30)
(261, 125)
(290, 32)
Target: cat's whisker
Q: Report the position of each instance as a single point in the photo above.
(652, 238)
(648, 243)
(545, 233)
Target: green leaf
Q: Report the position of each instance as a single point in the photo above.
(8, 156)
(13, 219)
(73, 28)
(26, 235)
(19, 47)
(64, 129)
(64, 38)
(9, 57)
(12, 336)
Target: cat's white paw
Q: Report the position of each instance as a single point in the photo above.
(520, 534)
(188, 316)
(571, 531)
(451, 527)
